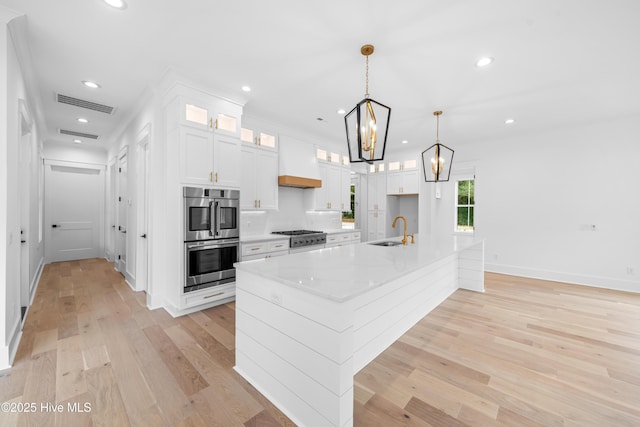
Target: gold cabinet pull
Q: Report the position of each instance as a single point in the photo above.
(216, 176)
(210, 176)
(255, 249)
(259, 203)
(211, 122)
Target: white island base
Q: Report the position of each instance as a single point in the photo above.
(307, 323)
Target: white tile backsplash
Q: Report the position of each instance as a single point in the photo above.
(291, 215)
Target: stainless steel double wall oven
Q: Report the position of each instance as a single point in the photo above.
(211, 236)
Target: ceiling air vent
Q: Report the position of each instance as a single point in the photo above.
(78, 134)
(81, 103)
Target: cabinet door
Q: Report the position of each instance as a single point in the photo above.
(248, 198)
(266, 179)
(196, 156)
(226, 162)
(410, 182)
(377, 191)
(345, 189)
(321, 195)
(333, 188)
(394, 183)
(375, 225)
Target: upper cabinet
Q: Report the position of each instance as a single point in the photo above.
(334, 195)
(206, 131)
(403, 177)
(259, 181)
(259, 138)
(216, 115)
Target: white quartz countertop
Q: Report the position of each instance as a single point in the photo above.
(341, 273)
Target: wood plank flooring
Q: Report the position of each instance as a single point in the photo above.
(524, 353)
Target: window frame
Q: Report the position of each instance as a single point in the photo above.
(457, 181)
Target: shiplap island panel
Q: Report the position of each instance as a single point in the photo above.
(306, 323)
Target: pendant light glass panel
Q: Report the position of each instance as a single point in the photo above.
(367, 127)
(436, 163)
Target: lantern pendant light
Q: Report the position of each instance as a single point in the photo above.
(367, 124)
(437, 159)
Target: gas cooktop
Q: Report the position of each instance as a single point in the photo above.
(301, 238)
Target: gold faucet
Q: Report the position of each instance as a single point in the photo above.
(404, 239)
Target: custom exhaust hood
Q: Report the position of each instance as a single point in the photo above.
(298, 182)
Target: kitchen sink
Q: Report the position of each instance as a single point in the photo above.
(386, 243)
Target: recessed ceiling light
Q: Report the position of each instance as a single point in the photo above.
(483, 62)
(509, 121)
(341, 111)
(77, 141)
(118, 4)
(246, 88)
(89, 83)
(404, 141)
(82, 120)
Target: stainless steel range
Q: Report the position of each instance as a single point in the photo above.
(304, 240)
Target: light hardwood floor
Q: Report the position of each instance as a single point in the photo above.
(524, 353)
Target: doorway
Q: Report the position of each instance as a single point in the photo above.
(25, 170)
(122, 209)
(142, 211)
(74, 211)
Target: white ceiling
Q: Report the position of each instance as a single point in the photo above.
(558, 62)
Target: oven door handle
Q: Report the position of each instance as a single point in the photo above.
(212, 218)
(217, 218)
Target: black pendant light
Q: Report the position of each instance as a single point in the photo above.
(367, 124)
(437, 159)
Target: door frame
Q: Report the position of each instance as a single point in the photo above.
(119, 246)
(143, 244)
(25, 154)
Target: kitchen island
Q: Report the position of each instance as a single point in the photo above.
(307, 323)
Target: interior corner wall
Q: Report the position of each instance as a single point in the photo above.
(562, 204)
(11, 89)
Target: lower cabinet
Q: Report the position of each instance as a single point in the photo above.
(205, 296)
(263, 249)
(376, 225)
(341, 239)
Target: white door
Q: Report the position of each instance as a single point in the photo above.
(74, 211)
(25, 212)
(123, 210)
(142, 211)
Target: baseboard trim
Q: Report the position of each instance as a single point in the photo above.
(558, 276)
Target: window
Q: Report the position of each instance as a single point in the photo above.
(465, 201)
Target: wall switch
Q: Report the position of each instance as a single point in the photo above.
(438, 194)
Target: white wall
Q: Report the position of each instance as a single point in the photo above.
(12, 90)
(538, 196)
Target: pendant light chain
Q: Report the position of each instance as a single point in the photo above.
(366, 90)
(438, 128)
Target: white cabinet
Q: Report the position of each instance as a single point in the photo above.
(403, 177)
(259, 181)
(208, 133)
(376, 191)
(402, 182)
(211, 113)
(196, 156)
(226, 161)
(208, 159)
(342, 239)
(376, 224)
(345, 189)
(259, 138)
(329, 197)
(263, 249)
